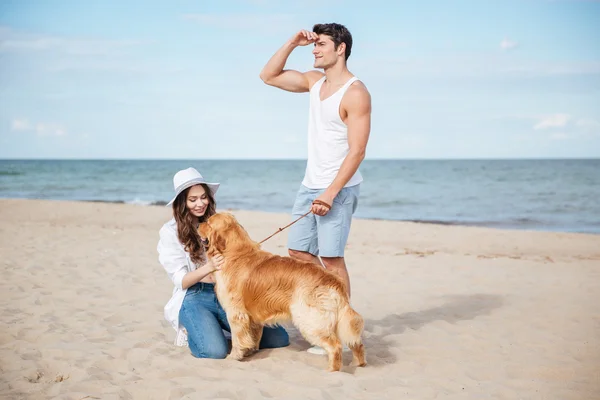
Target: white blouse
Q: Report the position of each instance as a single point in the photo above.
(177, 262)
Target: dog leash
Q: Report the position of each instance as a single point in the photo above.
(319, 202)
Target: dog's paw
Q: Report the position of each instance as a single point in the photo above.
(235, 355)
(250, 352)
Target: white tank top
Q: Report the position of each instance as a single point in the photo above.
(327, 139)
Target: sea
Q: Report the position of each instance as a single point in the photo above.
(548, 195)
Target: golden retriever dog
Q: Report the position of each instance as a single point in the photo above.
(257, 288)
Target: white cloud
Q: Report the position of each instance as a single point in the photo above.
(291, 139)
(549, 69)
(131, 67)
(398, 68)
(507, 44)
(552, 121)
(588, 126)
(44, 129)
(295, 5)
(262, 22)
(40, 128)
(20, 125)
(70, 53)
(14, 41)
(559, 136)
(258, 2)
(560, 126)
(588, 123)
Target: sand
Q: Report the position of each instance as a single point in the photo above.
(451, 313)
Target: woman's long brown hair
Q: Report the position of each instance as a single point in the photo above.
(187, 230)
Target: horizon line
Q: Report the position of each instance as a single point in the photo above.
(301, 159)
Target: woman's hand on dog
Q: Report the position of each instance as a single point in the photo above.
(215, 263)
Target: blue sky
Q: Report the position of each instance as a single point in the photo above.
(179, 79)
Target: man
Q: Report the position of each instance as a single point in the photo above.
(338, 130)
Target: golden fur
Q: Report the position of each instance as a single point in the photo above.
(258, 288)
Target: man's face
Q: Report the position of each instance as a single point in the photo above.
(325, 53)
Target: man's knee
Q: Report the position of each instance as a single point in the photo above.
(300, 255)
(293, 253)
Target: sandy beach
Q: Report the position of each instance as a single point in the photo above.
(451, 313)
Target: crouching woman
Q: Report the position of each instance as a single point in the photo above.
(194, 310)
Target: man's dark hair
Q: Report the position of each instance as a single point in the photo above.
(338, 33)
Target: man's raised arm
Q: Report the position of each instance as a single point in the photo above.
(293, 81)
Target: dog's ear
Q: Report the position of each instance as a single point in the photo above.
(201, 229)
(216, 241)
(220, 244)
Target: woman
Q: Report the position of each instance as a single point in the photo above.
(193, 309)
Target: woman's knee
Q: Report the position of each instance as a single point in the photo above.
(214, 352)
(205, 336)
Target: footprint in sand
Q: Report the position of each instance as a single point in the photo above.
(34, 377)
(180, 393)
(33, 356)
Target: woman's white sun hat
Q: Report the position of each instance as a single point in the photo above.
(190, 177)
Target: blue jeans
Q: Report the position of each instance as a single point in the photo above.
(204, 320)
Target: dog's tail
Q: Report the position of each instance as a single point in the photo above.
(350, 326)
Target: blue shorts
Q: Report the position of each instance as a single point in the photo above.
(324, 236)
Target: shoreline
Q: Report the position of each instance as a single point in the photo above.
(496, 225)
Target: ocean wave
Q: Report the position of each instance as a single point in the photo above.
(136, 201)
(507, 223)
(104, 201)
(139, 202)
(515, 223)
(390, 203)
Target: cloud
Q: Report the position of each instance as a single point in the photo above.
(295, 5)
(13, 41)
(40, 128)
(588, 126)
(477, 65)
(43, 129)
(552, 121)
(559, 136)
(291, 139)
(66, 53)
(131, 67)
(258, 2)
(560, 126)
(261, 22)
(507, 44)
(554, 69)
(588, 123)
(20, 125)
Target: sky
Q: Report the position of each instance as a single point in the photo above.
(180, 79)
